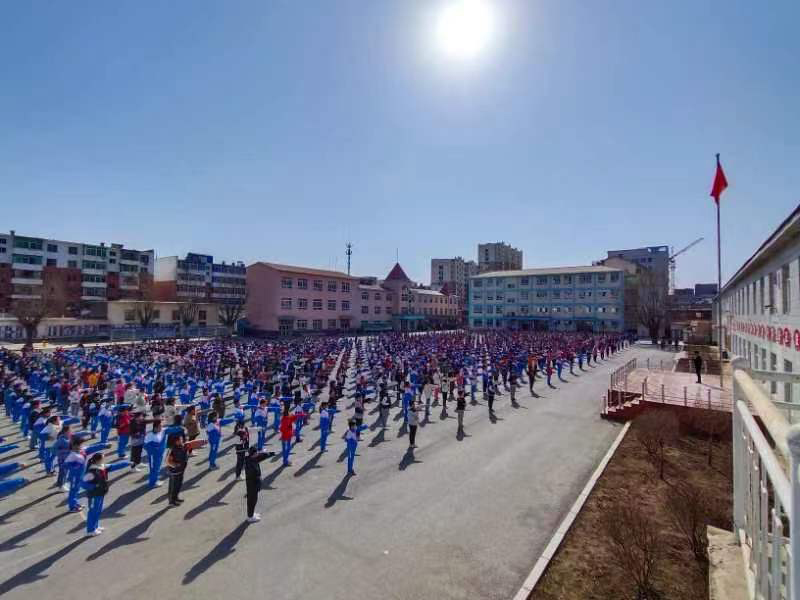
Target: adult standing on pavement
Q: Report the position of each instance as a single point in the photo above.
(698, 365)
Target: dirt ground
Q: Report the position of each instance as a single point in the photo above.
(584, 566)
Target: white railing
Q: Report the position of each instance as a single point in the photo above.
(766, 501)
(619, 377)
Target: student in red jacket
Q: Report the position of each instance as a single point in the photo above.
(123, 430)
(287, 430)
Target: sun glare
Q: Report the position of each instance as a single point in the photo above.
(464, 28)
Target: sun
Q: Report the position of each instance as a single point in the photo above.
(465, 28)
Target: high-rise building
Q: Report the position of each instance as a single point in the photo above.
(197, 277)
(452, 275)
(655, 258)
(75, 277)
(498, 256)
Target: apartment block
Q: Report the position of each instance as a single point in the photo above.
(196, 277)
(77, 278)
(584, 298)
(498, 256)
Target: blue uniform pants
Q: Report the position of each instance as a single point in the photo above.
(93, 518)
(286, 448)
(122, 445)
(154, 464)
(213, 448)
(351, 457)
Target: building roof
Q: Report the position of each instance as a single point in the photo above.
(397, 274)
(375, 288)
(547, 271)
(428, 292)
(785, 233)
(303, 270)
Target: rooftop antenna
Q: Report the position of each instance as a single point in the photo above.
(397, 255)
(348, 252)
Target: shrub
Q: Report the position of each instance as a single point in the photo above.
(638, 545)
(656, 430)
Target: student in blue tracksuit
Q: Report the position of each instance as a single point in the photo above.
(154, 444)
(95, 482)
(325, 417)
(74, 465)
(214, 434)
(105, 417)
(351, 439)
(261, 424)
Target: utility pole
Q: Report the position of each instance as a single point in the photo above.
(348, 252)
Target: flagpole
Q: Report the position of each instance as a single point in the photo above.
(719, 299)
(719, 294)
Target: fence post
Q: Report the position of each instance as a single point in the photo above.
(648, 364)
(685, 397)
(662, 394)
(709, 399)
(644, 389)
(793, 441)
(661, 364)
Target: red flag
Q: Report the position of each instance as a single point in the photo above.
(720, 183)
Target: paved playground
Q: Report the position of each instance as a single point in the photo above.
(458, 518)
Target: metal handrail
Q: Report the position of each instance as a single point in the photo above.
(766, 500)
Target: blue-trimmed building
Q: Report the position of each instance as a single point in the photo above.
(557, 299)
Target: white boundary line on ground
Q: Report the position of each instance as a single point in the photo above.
(555, 541)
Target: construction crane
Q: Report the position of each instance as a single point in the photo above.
(672, 263)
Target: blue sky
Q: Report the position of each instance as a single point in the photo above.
(278, 130)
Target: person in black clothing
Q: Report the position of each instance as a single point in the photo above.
(461, 406)
(176, 464)
(490, 391)
(252, 471)
(242, 446)
(698, 365)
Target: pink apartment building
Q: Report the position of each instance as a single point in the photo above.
(285, 299)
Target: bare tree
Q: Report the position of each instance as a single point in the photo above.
(638, 545)
(713, 424)
(690, 509)
(146, 313)
(651, 302)
(656, 430)
(231, 312)
(187, 312)
(29, 312)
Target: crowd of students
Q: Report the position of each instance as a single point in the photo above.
(168, 400)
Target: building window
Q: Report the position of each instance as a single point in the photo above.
(286, 303)
(302, 303)
(787, 386)
(377, 310)
(377, 295)
(52, 248)
(317, 286)
(130, 315)
(345, 305)
(301, 324)
(316, 324)
(364, 309)
(332, 322)
(364, 295)
(202, 315)
(388, 297)
(773, 366)
(772, 281)
(601, 277)
(286, 283)
(331, 304)
(316, 304)
(302, 284)
(786, 293)
(614, 277)
(332, 288)
(345, 288)
(25, 259)
(51, 262)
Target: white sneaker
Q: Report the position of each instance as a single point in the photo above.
(239, 478)
(63, 488)
(254, 519)
(159, 483)
(101, 529)
(94, 533)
